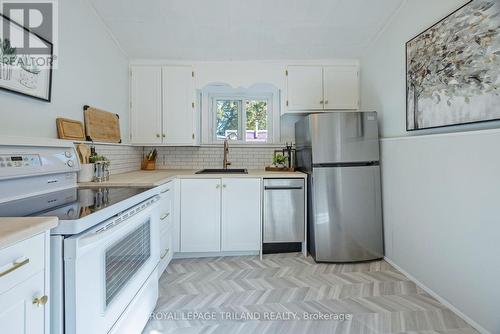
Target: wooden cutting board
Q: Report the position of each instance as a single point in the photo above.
(70, 129)
(101, 125)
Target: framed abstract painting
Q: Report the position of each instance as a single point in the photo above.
(453, 69)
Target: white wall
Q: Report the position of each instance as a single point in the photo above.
(440, 192)
(92, 70)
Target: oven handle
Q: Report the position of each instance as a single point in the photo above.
(120, 222)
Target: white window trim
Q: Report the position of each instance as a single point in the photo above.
(242, 119)
(208, 96)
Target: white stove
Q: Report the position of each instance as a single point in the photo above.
(104, 250)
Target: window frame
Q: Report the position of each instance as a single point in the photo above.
(242, 98)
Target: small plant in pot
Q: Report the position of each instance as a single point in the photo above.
(101, 167)
(279, 160)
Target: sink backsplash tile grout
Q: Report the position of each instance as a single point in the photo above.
(123, 158)
(211, 157)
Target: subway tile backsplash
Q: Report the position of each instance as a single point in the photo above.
(123, 158)
(211, 157)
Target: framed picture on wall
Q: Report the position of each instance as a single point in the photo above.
(453, 69)
(23, 73)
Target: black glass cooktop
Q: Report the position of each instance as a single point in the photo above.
(69, 204)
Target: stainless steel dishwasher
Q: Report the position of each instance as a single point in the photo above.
(283, 210)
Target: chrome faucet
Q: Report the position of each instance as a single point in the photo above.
(226, 163)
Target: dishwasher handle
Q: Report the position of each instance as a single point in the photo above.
(282, 188)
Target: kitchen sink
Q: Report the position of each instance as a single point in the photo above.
(222, 171)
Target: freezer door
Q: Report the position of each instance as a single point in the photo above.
(347, 214)
(343, 137)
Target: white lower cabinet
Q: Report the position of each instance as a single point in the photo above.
(200, 215)
(24, 294)
(220, 215)
(241, 214)
(18, 314)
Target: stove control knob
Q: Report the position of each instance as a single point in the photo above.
(70, 163)
(68, 154)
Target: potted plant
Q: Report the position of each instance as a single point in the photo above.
(7, 59)
(101, 167)
(279, 160)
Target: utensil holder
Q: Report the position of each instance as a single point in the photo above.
(148, 165)
(86, 173)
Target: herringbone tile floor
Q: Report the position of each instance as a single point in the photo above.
(287, 293)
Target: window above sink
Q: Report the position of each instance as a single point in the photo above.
(246, 116)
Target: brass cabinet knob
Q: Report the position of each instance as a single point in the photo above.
(40, 301)
(163, 135)
(157, 135)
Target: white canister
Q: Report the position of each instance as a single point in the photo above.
(86, 173)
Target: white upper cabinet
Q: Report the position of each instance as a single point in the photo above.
(162, 105)
(316, 88)
(341, 87)
(241, 214)
(305, 87)
(178, 105)
(145, 105)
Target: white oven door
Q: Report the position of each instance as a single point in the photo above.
(105, 267)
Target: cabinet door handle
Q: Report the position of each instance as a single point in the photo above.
(165, 254)
(164, 191)
(157, 135)
(224, 186)
(40, 301)
(321, 102)
(15, 265)
(217, 186)
(164, 216)
(326, 102)
(163, 135)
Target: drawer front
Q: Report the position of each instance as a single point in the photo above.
(21, 260)
(166, 248)
(165, 205)
(166, 189)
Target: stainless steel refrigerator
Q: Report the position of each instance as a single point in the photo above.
(340, 153)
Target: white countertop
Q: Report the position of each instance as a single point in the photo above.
(143, 178)
(13, 230)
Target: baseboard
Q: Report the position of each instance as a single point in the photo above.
(439, 298)
(213, 254)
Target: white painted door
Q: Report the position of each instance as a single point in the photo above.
(200, 215)
(178, 105)
(305, 88)
(341, 87)
(18, 314)
(241, 214)
(145, 105)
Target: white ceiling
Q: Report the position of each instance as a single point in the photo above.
(245, 29)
